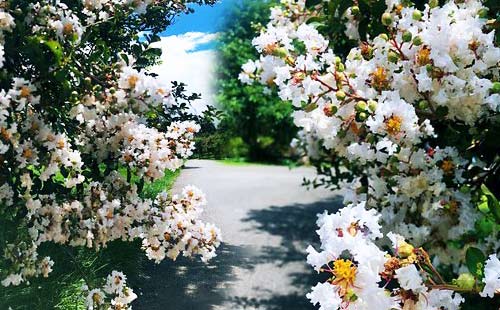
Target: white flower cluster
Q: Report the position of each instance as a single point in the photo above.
(378, 109)
(72, 172)
(113, 295)
(358, 267)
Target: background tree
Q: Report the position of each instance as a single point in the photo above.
(256, 123)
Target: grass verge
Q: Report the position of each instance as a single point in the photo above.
(72, 265)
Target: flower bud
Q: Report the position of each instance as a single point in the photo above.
(360, 106)
(465, 281)
(407, 36)
(112, 90)
(370, 138)
(361, 116)
(340, 95)
(483, 13)
(340, 67)
(337, 60)
(423, 104)
(417, 41)
(405, 249)
(280, 52)
(433, 3)
(387, 19)
(384, 36)
(355, 10)
(495, 88)
(417, 15)
(372, 105)
(351, 295)
(392, 57)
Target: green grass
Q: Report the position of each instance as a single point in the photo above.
(62, 289)
(165, 184)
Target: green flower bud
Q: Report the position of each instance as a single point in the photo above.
(340, 67)
(370, 138)
(355, 10)
(337, 60)
(280, 52)
(112, 90)
(495, 88)
(372, 105)
(387, 19)
(407, 36)
(340, 95)
(433, 3)
(417, 15)
(483, 13)
(384, 36)
(393, 57)
(423, 104)
(429, 68)
(405, 249)
(360, 106)
(361, 116)
(465, 281)
(417, 41)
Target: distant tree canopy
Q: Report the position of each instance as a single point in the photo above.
(260, 126)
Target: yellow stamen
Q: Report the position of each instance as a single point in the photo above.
(393, 125)
(25, 92)
(447, 166)
(27, 153)
(345, 273)
(132, 81)
(380, 80)
(423, 56)
(68, 29)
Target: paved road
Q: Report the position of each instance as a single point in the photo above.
(267, 220)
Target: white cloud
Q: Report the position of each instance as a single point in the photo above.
(182, 62)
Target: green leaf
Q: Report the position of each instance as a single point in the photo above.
(56, 49)
(311, 3)
(474, 259)
(493, 204)
(315, 19)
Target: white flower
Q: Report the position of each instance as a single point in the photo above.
(94, 299)
(409, 278)
(326, 296)
(12, 279)
(115, 282)
(441, 299)
(491, 277)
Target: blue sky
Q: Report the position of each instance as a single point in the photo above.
(188, 50)
(205, 18)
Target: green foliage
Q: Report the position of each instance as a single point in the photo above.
(65, 70)
(78, 266)
(262, 122)
(474, 259)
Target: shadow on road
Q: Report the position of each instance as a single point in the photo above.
(191, 285)
(296, 224)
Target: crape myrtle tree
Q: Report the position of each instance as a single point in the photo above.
(398, 103)
(83, 128)
(260, 120)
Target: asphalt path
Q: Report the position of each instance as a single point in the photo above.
(267, 220)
